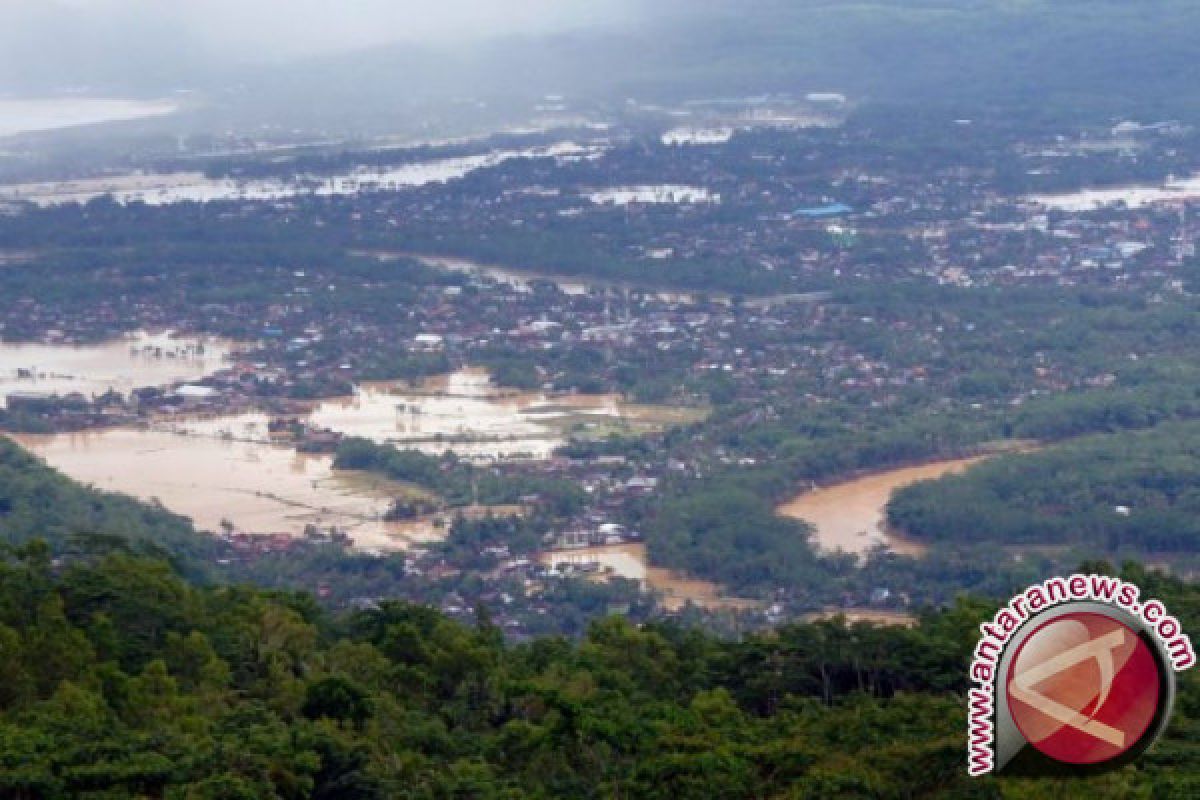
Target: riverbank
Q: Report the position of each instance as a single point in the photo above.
(851, 516)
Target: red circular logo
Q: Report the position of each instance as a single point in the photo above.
(1083, 688)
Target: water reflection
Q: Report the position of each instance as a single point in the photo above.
(122, 365)
(462, 412)
(195, 187)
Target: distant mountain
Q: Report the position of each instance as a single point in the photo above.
(1095, 57)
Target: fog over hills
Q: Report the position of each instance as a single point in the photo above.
(309, 67)
(150, 46)
(1097, 58)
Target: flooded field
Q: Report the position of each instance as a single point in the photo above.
(1130, 196)
(462, 412)
(225, 470)
(523, 279)
(629, 561)
(258, 488)
(518, 279)
(697, 136)
(180, 187)
(850, 516)
(140, 359)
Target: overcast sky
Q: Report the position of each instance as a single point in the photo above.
(285, 28)
(52, 44)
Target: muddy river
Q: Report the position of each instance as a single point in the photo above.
(851, 516)
(848, 516)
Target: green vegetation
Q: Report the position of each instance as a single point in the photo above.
(1133, 492)
(121, 680)
(722, 527)
(1171, 396)
(458, 482)
(733, 534)
(983, 389)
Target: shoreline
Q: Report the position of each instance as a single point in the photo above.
(850, 514)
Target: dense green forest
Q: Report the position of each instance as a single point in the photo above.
(722, 526)
(122, 680)
(1125, 492)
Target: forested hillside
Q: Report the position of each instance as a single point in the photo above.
(1131, 491)
(121, 680)
(1085, 55)
(1048, 58)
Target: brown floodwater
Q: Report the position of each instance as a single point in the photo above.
(259, 488)
(462, 412)
(630, 561)
(133, 361)
(225, 468)
(851, 516)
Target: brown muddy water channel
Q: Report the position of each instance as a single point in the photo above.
(848, 516)
(851, 516)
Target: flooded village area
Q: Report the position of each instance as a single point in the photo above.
(241, 434)
(167, 418)
(488, 309)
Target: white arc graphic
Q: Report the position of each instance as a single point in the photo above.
(1101, 649)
